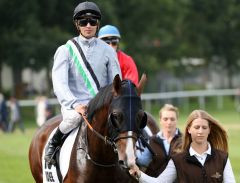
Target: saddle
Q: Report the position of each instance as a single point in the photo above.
(58, 172)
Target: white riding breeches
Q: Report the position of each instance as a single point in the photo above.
(71, 120)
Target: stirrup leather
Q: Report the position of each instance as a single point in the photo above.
(52, 159)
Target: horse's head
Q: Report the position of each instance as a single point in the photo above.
(126, 119)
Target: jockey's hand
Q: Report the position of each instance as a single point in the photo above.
(81, 109)
(135, 172)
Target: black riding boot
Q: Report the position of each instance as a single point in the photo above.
(53, 145)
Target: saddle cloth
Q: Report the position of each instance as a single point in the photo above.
(50, 174)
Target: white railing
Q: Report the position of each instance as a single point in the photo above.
(31, 103)
(148, 98)
(200, 94)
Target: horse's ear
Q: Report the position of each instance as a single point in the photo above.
(141, 84)
(116, 85)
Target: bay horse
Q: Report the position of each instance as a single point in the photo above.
(115, 119)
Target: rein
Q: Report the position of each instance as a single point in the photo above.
(147, 145)
(96, 163)
(106, 139)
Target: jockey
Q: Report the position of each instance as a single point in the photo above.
(111, 35)
(81, 66)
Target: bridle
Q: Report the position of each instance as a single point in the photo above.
(126, 137)
(107, 140)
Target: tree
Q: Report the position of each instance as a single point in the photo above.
(29, 38)
(157, 34)
(17, 35)
(212, 29)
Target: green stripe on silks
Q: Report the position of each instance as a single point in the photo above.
(81, 70)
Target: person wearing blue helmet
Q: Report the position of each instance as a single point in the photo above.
(111, 35)
(81, 66)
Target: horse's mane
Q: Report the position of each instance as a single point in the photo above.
(103, 98)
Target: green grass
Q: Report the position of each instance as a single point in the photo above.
(14, 166)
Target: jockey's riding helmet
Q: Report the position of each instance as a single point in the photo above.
(109, 31)
(87, 9)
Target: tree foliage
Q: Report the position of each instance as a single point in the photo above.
(156, 33)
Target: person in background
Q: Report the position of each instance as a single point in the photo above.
(50, 113)
(41, 109)
(111, 35)
(15, 115)
(81, 67)
(3, 114)
(164, 144)
(204, 155)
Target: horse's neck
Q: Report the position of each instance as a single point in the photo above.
(97, 147)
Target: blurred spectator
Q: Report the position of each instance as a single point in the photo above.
(49, 111)
(43, 110)
(3, 113)
(15, 115)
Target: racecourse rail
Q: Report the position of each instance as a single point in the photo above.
(148, 98)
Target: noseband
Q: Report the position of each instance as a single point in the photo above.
(126, 137)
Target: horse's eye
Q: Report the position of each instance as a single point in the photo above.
(142, 119)
(117, 116)
(115, 119)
